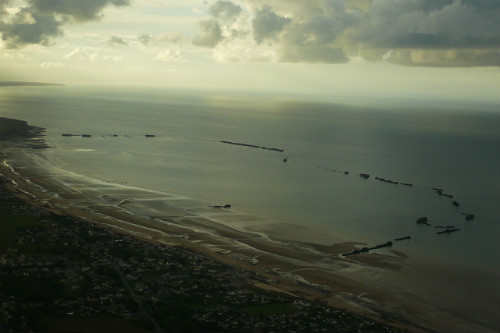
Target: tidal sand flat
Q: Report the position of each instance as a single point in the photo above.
(367, 283)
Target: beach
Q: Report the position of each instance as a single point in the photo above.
(378, 285)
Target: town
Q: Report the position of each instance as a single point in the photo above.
(58, 273)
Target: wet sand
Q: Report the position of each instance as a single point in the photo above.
(369, 284)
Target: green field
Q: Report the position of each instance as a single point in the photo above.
(92, 324)
(268, 309)
(10, 223)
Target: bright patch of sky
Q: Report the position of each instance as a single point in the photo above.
(434, 48)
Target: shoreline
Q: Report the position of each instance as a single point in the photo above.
(275, 262)
(304, 270)
(127, 264)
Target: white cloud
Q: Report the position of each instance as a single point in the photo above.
(170, 56)
(79, 53)
(49, 65)
(113, 58)
(11, 54)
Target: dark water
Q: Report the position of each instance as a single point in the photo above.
(308, 198)
(456, 150)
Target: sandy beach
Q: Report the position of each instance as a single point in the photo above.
(369, 284)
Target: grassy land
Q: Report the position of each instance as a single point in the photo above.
(268, 309)
(10, 128)
(91, 324)
(10, 223)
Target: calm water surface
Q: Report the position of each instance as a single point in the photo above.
(456, 150)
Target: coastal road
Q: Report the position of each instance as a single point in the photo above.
(139, 300)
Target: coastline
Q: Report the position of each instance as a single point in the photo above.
(304, 270)
(44, 255)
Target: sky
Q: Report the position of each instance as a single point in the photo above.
(432, 48)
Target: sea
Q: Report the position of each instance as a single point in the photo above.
(290, 161)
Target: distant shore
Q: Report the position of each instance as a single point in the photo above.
(300, 269)
(29, 84)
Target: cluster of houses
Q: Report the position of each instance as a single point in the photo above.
(100, 272)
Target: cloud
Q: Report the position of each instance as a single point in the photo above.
(79, 53)
(75, 53)
(210, 34)
(450, 33)
(113, 58)
(145, 39)
(267, 24)
(444, 33)
(116, 41)
(451, 25)
(50, 65)
(27, 27)
(39, 21)
(225, 10)
(432, 33)
(3, 4)
(224, 22)
(170, 56)
(446, 58)
(78, 10)
(312, 54)
(165, 38)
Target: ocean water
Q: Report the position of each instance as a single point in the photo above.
(457, 150)
(452, 278)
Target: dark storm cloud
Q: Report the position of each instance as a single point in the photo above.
(312, 54)
(79, 10)
(483, 5)
(441, 33)
(458, 33)
(39, 21)
(456, 25)
(418, 32)
(27, 27)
